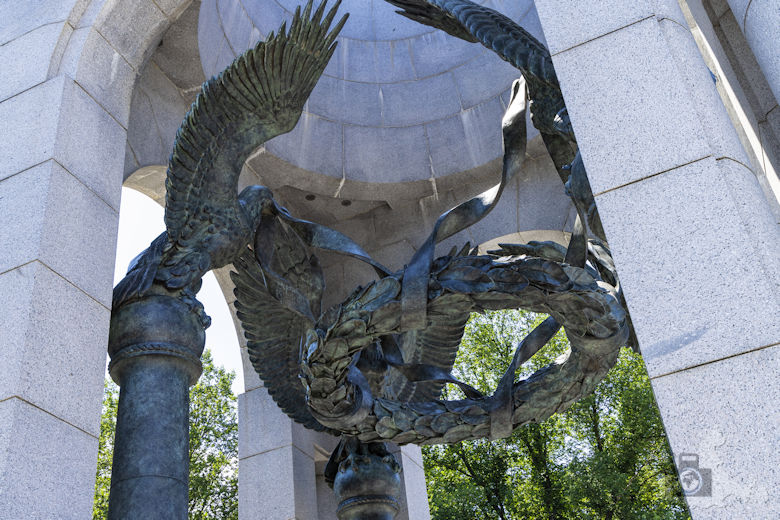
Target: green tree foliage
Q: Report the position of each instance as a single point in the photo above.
(213, 446)
(105, 450)
(606, 457)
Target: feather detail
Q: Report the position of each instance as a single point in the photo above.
(275, 339)
(183, 268)
(140, 273)
(259, 96)
(475, 23)
(436, 345)
(291, 261)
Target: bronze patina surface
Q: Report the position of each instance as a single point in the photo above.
(157, 324)
(374, 365)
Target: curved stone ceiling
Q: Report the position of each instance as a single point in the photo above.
(398, 102)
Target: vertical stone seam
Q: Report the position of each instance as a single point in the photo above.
(137, 164)
(59, 49)
(766, 116)
(516, 182)
(761, 139)
(744, 18)
(245, 355)
(217, 55)
(411, 58)
(747, 229)
(687, 80)
(457, 91)
(143, 92)
(343, 160)
(222, 27)
(373, 20)
(432, 177)
(526, 13)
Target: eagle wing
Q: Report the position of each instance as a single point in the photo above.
(475, 23)
(259, 96)
(434, 345)
(276, 334)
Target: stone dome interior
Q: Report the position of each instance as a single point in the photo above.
(399, 101)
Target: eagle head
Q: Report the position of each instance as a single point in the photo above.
(258, 202)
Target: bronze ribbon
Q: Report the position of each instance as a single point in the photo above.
(414, 292)
(503, 401)
(323, 237)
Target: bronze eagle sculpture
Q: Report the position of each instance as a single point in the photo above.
(360, 369)
(259, 96)
(373, 367)
(478, 24)
(290, 345)
(474, 23)
(279, 289)
(390, 345)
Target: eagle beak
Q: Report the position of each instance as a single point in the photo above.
(268, 207)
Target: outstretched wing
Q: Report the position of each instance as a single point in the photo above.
(435, 345)
(259, 96)
(475, 23)
(431, 14)
(276, 337)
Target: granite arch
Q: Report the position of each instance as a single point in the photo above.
(76, 64)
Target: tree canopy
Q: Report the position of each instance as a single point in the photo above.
(213, 446)
(606, 457)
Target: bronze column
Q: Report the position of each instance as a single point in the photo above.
(155, 345)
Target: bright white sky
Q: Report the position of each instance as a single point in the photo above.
(140, 221)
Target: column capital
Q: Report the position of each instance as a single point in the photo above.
(157, 325)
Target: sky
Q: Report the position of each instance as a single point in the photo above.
(140, 221)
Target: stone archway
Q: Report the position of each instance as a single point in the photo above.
(70, 69)
(73, 143)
